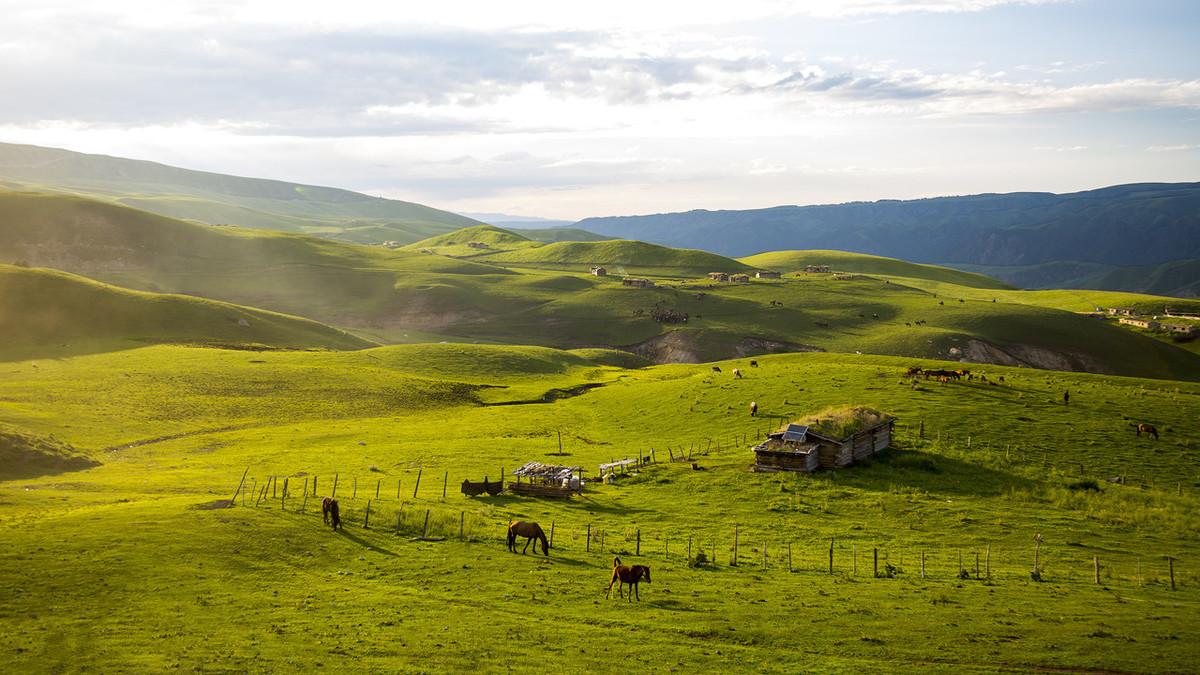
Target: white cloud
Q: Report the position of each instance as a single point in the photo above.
(1173, 148)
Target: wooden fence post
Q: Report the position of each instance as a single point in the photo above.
(922, 564)
(1171, 569)
(253, 494)
(418, 485)
(831, 555)
(764, 563)
(875, 556)
(790, 556)
(333, 494)
(587, 548)
(445, 480)
(551, 539)
(283, 497)
(354, 488)
(689, 557)
(306, 488)
(639, 542)
(274, 483)
(1096, 568)
(976, 564)
(233, 499)
(733, 563)
(425, 527)
(367, 518)
(314, 485)
(462, 521)
(987, 561)
(378, 483)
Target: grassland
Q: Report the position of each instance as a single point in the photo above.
(861, 263)
(124, 567)
(46, 312)
(542, 294)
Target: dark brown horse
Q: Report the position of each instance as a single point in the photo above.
(627, 574)
(530, 530)
(329, 510)
(1148, 429)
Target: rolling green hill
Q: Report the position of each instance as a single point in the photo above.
(150, 535)
(49, 311)
(456, 243)
(635, 257)
(841, 261)
(221, 199)
(544, 296)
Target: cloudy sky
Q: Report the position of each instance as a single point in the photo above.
(552, 109)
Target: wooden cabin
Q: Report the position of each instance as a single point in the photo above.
(767, 275)
(718, 276)
(1140, 323)
(740, 278)
(636, 283)
(817, 268)
(599, 272)
(800, 448)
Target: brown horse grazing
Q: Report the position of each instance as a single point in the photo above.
(754, 364)
(1148, 429)
(530, 530)
(627, 574)
(329, 510)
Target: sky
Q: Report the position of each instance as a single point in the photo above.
(560, 110)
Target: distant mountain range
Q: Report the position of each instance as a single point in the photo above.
(1140, 237)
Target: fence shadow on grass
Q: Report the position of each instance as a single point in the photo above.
(366, 544)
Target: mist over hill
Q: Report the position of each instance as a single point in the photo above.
(219, 199)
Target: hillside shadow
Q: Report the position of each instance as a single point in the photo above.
(931, 473)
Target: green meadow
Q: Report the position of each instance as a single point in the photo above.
(150, 364)
(138, 564)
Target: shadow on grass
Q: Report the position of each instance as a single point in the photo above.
(932, 473)
(366, 544)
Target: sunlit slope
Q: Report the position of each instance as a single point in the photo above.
(222, 199)
(325, 280)
(861, 263)
(494, 298)
(486, 239)
(61, 313)
(633, 256)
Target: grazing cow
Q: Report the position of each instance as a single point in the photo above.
(1001, 379)
(754, 364)
(716, 369)
(737, 373)
(753, 408)
(627, 574)
(1147, 429)
(1066, 398)
(913, 371)
(330, 512)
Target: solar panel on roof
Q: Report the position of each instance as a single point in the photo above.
(795, 432)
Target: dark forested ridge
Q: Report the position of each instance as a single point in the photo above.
(1125, 225)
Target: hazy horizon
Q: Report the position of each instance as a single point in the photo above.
(568, 112)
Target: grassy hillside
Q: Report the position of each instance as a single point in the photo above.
(635, 257)
(456, 243)
(1177, 278)
(221, 199)
(550, 235)
(142, 544)
(841, 261)
(50, 311)
(544, 295)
